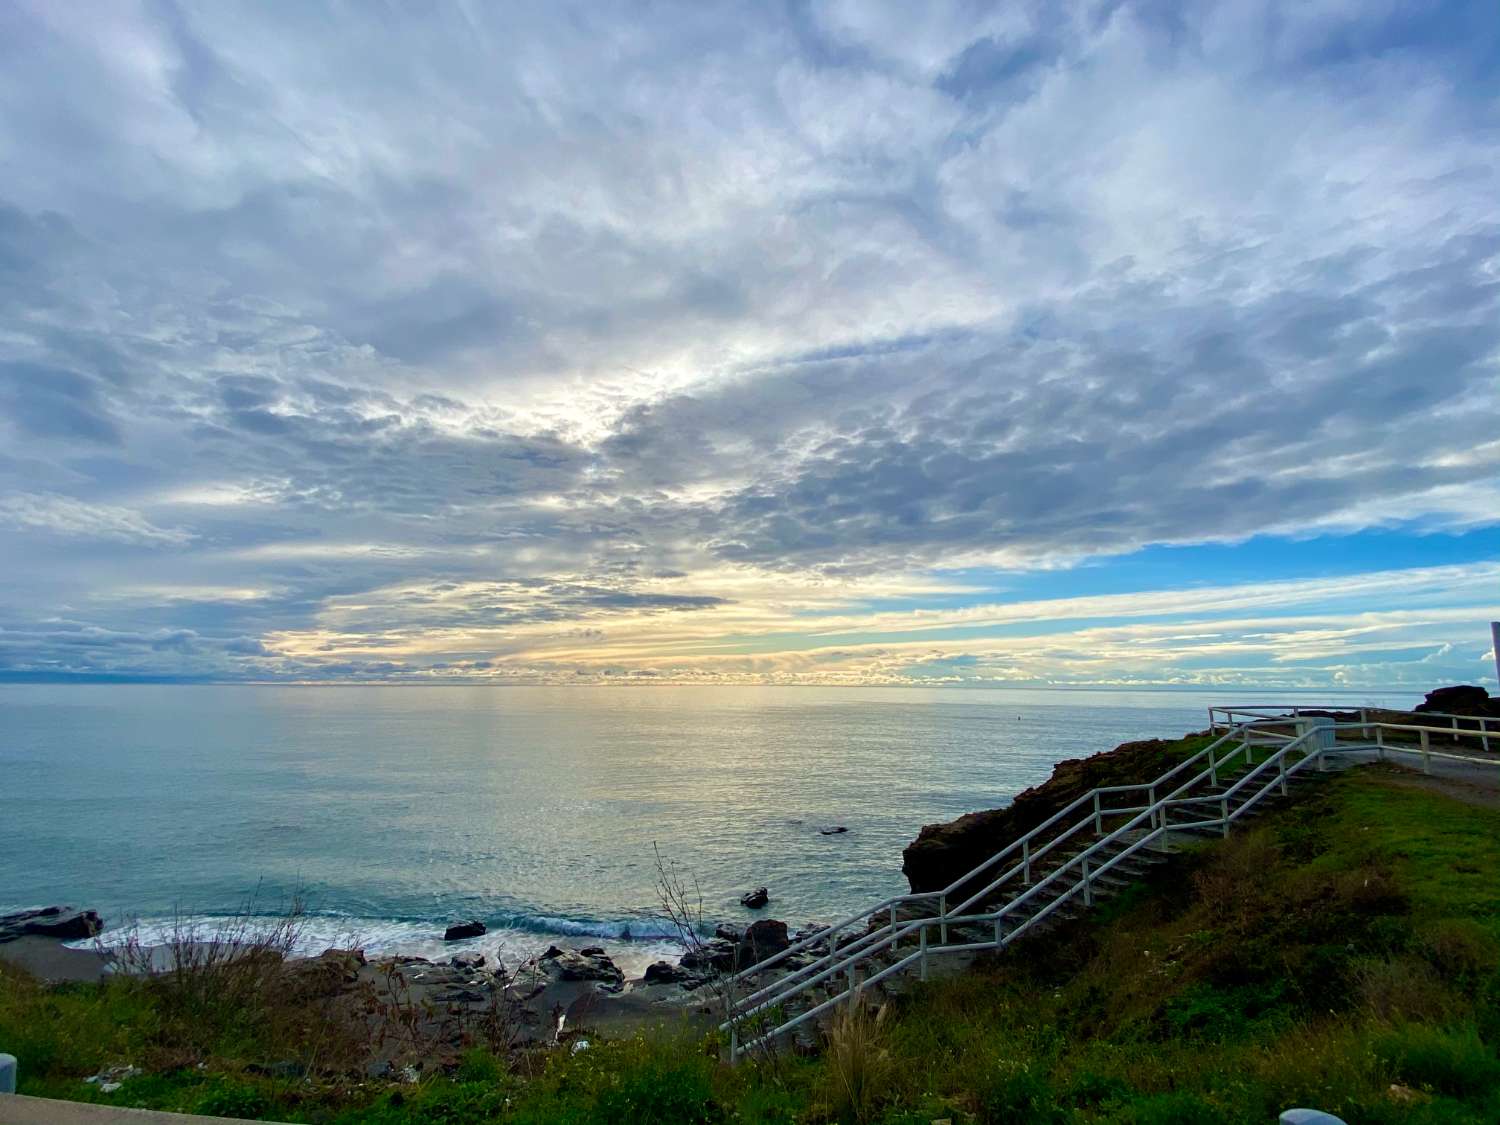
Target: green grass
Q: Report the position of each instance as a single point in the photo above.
(1342, 953)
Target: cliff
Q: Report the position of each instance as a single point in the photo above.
(942, 853)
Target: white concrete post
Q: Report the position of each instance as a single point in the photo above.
(1495, 645)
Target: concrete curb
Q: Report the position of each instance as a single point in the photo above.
(18, 1109)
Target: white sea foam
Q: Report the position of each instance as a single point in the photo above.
(632, 943)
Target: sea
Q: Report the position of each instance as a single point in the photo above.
(548, 813)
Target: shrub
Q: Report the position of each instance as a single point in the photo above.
(1453, 1062)
(1459, 947)
(232, 1099)
(1017, 1094)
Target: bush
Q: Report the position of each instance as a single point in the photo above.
(1018, 1095)
(1453, 1062)
(230, 1099)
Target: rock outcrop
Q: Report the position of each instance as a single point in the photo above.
(942, 853)
(61, 922)
(1460, 699)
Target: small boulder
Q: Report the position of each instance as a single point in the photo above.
(763, 938)
(714, 955)
(591, 964)
(470, 960)
(756, 899)
(728, 931)
(460, 930)
(664, 972)
(832, 830)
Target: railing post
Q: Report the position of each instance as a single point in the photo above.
(1213, 768)
(922, 944)
(1364, 723)
(734, 1043)
(943, 919)
(1088, 888)
(1426, 754)
(1224, 813)
(1380, 742)
(894, 939)
(1484, 733)
(1281, 763)
(1455, 728)
(999, 939)
(1026, 861)
(1098, 816)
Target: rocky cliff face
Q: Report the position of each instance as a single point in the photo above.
(942, 853)
(1461, 699)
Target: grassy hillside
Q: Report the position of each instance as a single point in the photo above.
(1342, 953)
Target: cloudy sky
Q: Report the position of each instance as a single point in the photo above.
(822, 342)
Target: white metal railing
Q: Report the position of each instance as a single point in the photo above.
(1485, 726)
(1066, 874)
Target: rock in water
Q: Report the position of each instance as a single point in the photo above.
(61, 922)
(460, 930)
(832, 830)
(755, 899)
(763, 938)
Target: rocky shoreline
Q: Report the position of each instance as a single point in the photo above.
(558, 995)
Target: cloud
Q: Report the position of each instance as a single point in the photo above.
(60, 515)
(450, 355)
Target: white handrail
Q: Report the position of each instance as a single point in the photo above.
(1085, 866)
(1021, 842)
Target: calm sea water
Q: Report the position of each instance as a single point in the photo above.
(397, 809)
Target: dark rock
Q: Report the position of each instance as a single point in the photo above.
(664, 972)
(591, 964)
(832, 830)
(715, 954)
(60, 922)
(763, 938)
(461, 994)
(460, 930)
(943, 853)
(755, 899)
(1460, 699)
(729, 931)
(471, 960)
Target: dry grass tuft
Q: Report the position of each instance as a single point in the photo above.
(858, 1058)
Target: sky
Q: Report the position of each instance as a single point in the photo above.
(1125, 343)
